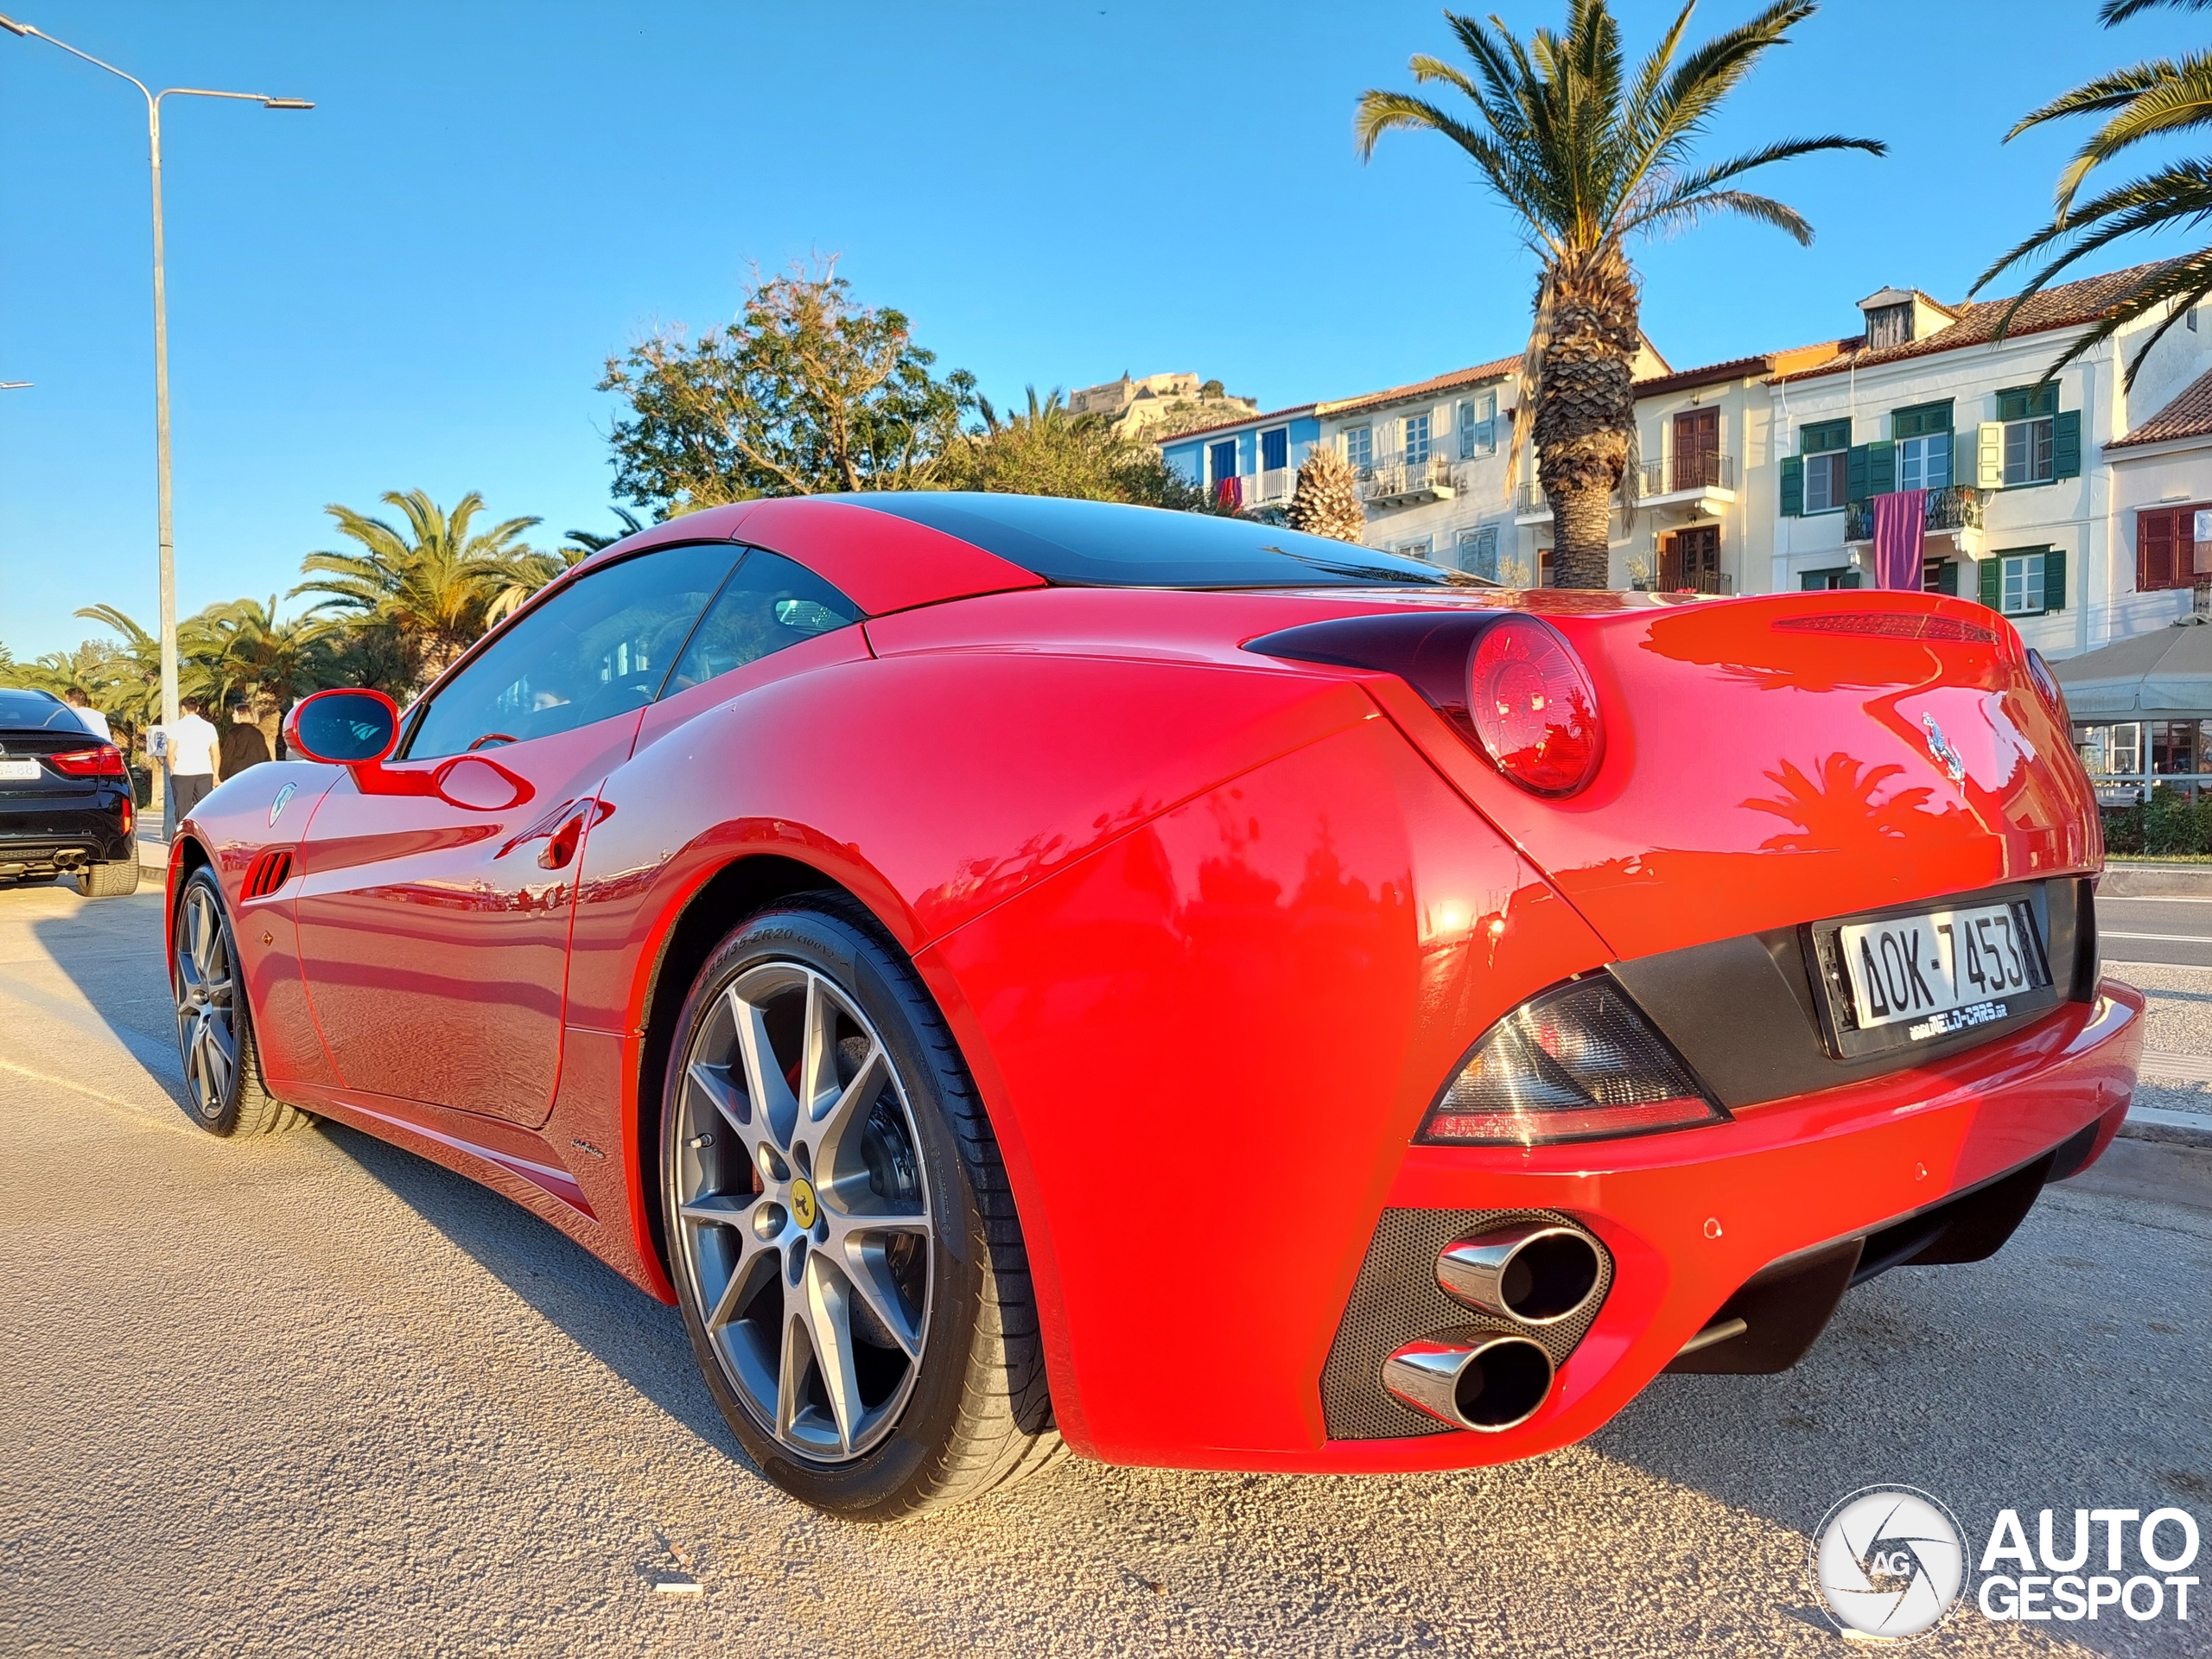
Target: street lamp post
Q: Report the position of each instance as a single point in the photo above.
(166, 546)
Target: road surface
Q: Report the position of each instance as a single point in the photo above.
(312, 1395)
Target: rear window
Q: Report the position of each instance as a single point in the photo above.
(34, 711)
(1102, 545)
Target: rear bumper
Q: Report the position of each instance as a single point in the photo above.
(1690, 1217)
(39, 841)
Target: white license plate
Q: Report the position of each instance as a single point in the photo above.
(18, 772)
(1942, 970)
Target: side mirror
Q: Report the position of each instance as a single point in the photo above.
(358, 729)
(343, 727)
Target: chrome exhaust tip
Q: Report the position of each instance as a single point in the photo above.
(1489, 1382)
(1533, 1272)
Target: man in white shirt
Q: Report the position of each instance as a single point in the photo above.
(93, 720)
(193, 748)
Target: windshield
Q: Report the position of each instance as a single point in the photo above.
(1102, 545)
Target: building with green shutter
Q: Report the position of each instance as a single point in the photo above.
(2020, 506)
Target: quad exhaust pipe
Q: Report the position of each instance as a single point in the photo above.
(1487, 1383)
(1534, 1273)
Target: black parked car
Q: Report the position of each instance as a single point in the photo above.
(65, 799)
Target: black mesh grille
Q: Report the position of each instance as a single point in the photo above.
(1396, 1300)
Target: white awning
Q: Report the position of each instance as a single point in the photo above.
(2164, 675)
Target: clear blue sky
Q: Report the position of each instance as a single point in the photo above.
(417, 283)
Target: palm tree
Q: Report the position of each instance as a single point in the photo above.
(433, 586)
(241, 650)
(532, 570)
(2160, 95)
(1587, 155)
(133, 671)
(1047, 449)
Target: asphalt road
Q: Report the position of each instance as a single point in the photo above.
(312, 1395)
(2176, 931)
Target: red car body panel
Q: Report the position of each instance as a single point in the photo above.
(1213, 929)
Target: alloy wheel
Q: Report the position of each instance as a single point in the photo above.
(207, 1029)
(803, 1211)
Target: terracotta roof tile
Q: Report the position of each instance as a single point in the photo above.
(2188, 415)
(1480, 372)
(2067, 306)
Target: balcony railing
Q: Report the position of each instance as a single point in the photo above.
(1528, 496)
(1718, 582)
(1958, 507)
(1394, 480)
(1698, 470)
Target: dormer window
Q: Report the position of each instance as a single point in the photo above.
(1888, 324)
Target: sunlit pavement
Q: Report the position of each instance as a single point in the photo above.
(311, 1393)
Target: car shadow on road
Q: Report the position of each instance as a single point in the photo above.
(641, 1340)
(2048, 1376)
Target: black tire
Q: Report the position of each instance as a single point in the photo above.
(112, 881)
(239, 1103)
(977, 1412)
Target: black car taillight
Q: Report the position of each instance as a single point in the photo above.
(1508, 683)
(105, 761)
(2047, 683)
(1580, 1063)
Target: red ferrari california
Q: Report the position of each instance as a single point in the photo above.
(1016, 972)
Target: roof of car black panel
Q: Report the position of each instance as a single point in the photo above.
(1108, 544)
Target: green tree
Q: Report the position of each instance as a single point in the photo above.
(1587, 155)
(432, 586)
(242, 650)
(2152, 100)
(129, 674)
(1045, 450)
(533, 570)
(807, 392)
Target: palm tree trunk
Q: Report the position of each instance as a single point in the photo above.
(1585, 412)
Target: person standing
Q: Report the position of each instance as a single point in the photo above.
(243, 744)
(194, 754)
(93, 720)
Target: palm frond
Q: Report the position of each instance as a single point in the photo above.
(2118, 11)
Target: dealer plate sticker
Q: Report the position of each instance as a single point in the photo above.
(1941, 970)
(18, 772)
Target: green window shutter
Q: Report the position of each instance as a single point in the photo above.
(1881, 469)
(1947, 577)
(1793, 488)
(2025, 402)
(1991, 572)
(2065, 443)
(1920, 419)
(2053, 579)
(1853, 578)
(1854, 473)
(1822, 435)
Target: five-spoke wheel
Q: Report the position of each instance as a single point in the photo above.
(803, 1218)
(215, 1023)
(839, 1227)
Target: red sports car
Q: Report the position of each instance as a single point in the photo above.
(1016, 971)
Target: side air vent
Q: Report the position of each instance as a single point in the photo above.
(269, 872)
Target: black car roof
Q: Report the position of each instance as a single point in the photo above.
(28, 710)
(1104, 545)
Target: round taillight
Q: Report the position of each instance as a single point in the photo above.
(1533, 706)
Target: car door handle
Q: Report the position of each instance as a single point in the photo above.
(560, 846)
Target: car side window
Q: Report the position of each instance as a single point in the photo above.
(771, 602)
(599, 648)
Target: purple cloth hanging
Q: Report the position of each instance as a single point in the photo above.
(1898, 521)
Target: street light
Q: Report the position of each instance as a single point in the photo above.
(161, 337)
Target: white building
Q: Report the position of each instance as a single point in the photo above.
(2023, 506)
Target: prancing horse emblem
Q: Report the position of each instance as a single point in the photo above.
(277, 806)
(1939, 746)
